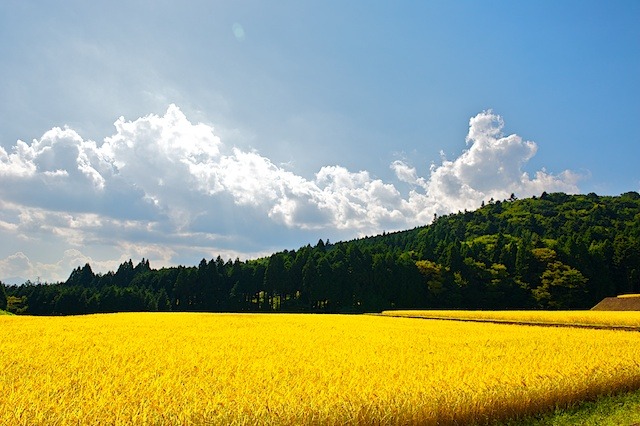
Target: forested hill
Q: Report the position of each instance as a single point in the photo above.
(555, 251)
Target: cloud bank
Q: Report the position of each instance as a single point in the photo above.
(164, 188)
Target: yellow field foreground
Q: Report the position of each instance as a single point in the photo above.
(168, 368)
(588, 318)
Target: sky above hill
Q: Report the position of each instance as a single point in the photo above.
(181, 131)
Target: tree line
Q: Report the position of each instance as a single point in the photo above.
(556, 251)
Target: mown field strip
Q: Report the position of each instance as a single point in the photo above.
(168, 368)
(604, 320)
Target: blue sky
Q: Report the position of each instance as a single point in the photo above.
(247, 127)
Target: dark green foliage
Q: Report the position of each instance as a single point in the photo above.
(553, 252)
(3, 297)
(81, 277)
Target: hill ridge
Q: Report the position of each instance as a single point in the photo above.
(556, 251)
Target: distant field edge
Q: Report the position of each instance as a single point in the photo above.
(511, 321)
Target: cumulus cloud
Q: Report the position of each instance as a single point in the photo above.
(18, 267)
(17, 164)
(492, 167)
(408, 174)
(163, 185)
(15, 266)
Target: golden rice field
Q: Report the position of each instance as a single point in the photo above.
(583, 318)
(170, 368)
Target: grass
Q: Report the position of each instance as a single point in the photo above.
(621, 409)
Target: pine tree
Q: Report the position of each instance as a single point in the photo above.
(3, 297)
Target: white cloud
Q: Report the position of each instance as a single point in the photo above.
(18, 163)
(408, 174)
(492, 168)
(16, 265)
(162, 186)
(159, 152)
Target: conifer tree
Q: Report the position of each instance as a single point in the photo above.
(3, 297)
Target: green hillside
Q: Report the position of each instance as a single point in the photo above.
(556, 251)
